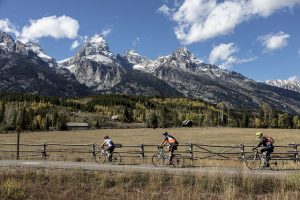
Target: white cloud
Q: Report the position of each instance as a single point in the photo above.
(136, 41)
(273, 41)
(106, 32)
(52, 26)
(8, 27)
(222, 55)
(299, 53)
(165, 10)
(74, 45)
(293, 79)
(199, 20)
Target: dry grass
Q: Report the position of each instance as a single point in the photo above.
(219, 136)
(215, 136)
(57, 184)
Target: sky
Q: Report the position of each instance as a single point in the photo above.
(257, 38)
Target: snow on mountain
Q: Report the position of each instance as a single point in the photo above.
(30, 46)
(291, 84)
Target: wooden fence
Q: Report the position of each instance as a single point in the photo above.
(142, 151)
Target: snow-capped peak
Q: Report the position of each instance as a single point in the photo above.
(38, 50)
(96, 45)
(97, 39)
(292, 83)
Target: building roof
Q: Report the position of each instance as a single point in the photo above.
(77, 124)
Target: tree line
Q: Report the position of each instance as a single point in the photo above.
(33, 112)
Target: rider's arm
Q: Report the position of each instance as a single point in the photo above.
(259, 144)
(102, 144)
(163, 143)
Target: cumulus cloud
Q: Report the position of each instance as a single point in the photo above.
(52, 26)
(8, 27)
(222, 55)
(273, 41)
(199, 20)
(106, 32)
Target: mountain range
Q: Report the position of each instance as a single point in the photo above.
(94, 69)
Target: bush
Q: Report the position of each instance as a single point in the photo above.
(12, 189)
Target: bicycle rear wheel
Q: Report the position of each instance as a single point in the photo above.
(253, 162)
(116, 159)
(276, 163)
(178, 160)
(99, 157)
(158, 160)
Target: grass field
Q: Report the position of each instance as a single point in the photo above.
(218, 136)
(53, 184)
(210, 136)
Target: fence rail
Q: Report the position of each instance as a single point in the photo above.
(189, 151)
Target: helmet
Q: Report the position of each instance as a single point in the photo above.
(165, 133)
(106, 137)
(259, 134)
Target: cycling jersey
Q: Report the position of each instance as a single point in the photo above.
(109, 142)
(170, 139)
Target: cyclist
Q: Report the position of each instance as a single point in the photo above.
(268, 147)
(172, 142)
(110, 146)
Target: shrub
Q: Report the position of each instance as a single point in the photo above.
(12, 189)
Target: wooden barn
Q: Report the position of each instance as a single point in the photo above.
(77, 126)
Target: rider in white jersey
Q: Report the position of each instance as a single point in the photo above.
(110, 146)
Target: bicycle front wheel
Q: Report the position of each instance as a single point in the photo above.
(276, 163)
(178, 160)
(253, 162)
(158, 160)
(116, 159)
(99, 157)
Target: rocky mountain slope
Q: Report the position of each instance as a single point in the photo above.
(23, 70)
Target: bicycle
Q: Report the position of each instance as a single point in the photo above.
(102, 156)
(257, 161)
(162, 159)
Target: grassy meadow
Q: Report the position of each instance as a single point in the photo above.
(218, 136)
(79, 184)
(210, 136)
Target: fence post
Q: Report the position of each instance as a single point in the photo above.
(143, 151)
(44, 153)
(18, 130)
(191, 151)
(243, 151)
(296, 155)
(93, 149)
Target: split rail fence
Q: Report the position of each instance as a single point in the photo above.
(192, 152)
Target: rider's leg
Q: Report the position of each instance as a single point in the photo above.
(110, 151)
(264, 154)
(171, 155)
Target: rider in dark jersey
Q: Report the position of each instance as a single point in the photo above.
(172, 142)
(267, 146)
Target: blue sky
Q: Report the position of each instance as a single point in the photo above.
(257, 38)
